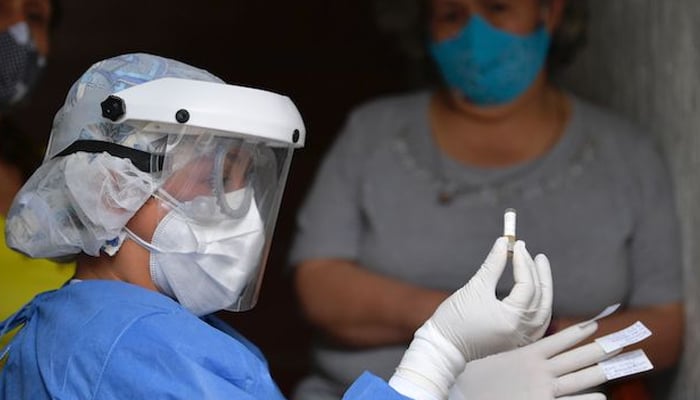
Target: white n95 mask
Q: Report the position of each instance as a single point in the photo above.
(205, 267)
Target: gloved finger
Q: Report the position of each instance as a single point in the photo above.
(542, 311)
(578, 358)
(456, 393)
(560, 341)
(579, 380)
(544, 274)
(537, 298)
(587, 396)
(525, 290)
(494, 264)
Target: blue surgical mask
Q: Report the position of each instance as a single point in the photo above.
(20, 64)
(489, 66)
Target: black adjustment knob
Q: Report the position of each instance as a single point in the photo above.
(295, 136)
(182, 116)
(113, 108)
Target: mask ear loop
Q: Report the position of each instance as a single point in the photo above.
(217, 185)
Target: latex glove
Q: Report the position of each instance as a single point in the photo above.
(473, 323)
(539, 371)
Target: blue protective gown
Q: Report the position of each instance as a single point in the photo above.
(113, 340)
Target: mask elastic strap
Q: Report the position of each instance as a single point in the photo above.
(166, 198)
(162, 283)
(136, 238)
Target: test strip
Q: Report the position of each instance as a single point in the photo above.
(626, 364)
(632, 334)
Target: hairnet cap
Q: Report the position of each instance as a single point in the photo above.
(81, 115)
(81, 202)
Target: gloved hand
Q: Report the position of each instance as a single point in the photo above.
(537, 371)
(473, 323)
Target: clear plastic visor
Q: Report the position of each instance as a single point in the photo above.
(219, 181)
(209, 178)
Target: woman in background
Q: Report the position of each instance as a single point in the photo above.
(405, 202)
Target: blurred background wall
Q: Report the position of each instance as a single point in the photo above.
(643, 60)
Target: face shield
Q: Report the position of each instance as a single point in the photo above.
(204, 162)
(218, 180)
(218, 163)
(217, 201)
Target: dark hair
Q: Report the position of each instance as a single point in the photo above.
(18, 149)
(570, 36)
(407, 22)
(56, 15)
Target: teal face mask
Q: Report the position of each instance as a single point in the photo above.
(489, 66)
